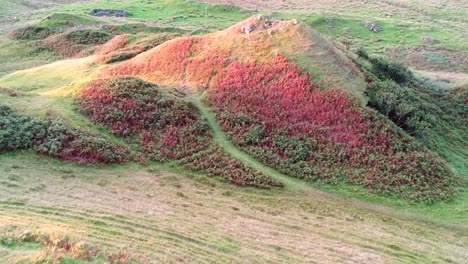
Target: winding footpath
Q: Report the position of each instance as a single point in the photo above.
(223, 141)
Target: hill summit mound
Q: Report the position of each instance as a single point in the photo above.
(193, 60)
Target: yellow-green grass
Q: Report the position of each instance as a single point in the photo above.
(167, 214)
(395, 30)
(19, 55)
(51, 76)
(403, 22)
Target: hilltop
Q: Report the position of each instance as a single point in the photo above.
(255, 40)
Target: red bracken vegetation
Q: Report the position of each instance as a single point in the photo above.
(77, 43)
(118, 48)
(167, 128)
(168, 63)
(202, 68)
(275, 113)
(114, 44)
(216, 162)
(181, 61)
(61, 46)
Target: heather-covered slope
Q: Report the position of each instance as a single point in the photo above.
(165, 127)
(272, 106)
(275, 111)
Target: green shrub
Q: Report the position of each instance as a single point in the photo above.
(362, 53)
(255, 134)
(19, 132)
(88, 37)
(402, 106)
(122, 56)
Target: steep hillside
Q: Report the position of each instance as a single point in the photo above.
(278, 113)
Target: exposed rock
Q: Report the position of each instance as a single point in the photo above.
(9, 91)
(247, 29)
(374, 27)
(109, 12)
(348, 31)
(428, 40)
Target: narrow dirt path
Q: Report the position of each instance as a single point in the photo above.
(223, 141)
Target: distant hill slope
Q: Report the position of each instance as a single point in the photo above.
(10, 6)
(339, 5)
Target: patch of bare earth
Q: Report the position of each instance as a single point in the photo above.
(430, 58)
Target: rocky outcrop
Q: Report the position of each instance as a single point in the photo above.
(374, 27)
(109, 12)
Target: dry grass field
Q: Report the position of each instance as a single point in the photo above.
(162, 214)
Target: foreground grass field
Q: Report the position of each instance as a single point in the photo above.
(161, 213)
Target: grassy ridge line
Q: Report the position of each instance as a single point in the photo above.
(222, 139)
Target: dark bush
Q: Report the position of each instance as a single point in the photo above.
(19, 132)
(32, 33)
(387, 70)
(55, 139)
(255, 134)
(402, 106)
(362, 53)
